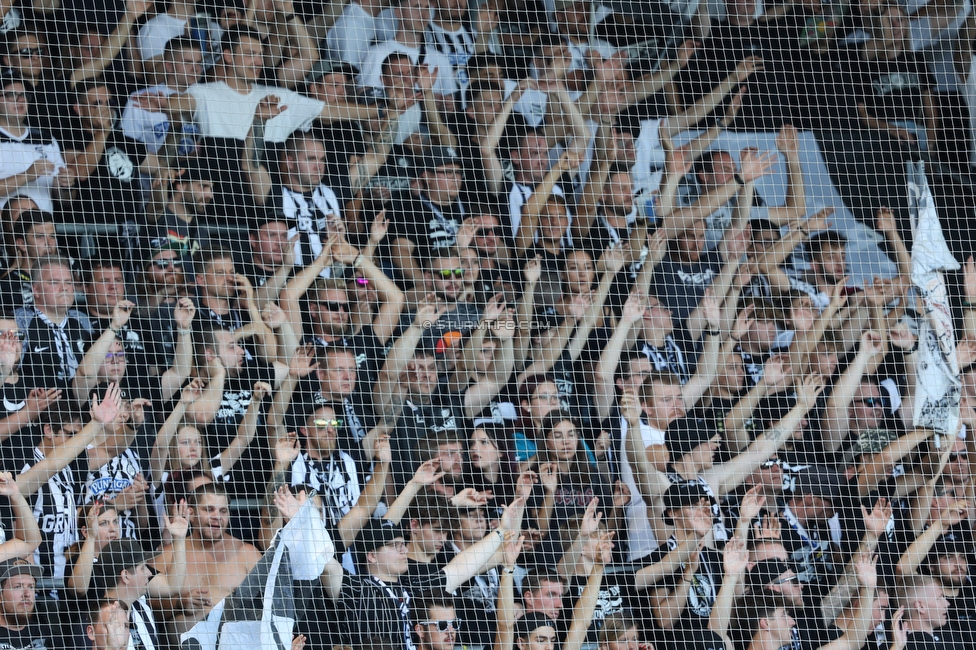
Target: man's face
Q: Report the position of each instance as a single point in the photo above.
(547, 599)
(247, 59)
(422, 375)
(656, 318)
(789, 585)
(957, 468)
(185, 68)
(618, 194)
(932, 606)
(399, 77)
(450, 9)
(696, 517)
(229, 350)
(96, 105)
(18, 595)
(431, 638)
(211, 517)
(139, 577)
(866, 410)
(166, 269)
(489, 235)
(553, 221)
(531, 158)
(723, 169)
(391, 559)
(483, 108)
(29, 56)
(13, 102)
(197, 196)
(703, 456)
(443, 184)
(429, 536)
(414, 15)
(451, 455)
(339, 377)
(307, 164)
(634, 373)
(107, 288)
(769, 476)
(269, 244)
(541, 638)
(472, 525)
(218, 279)
(89, 46)
(54, 288)
(445, 280)
(667, 405)
(691, 242)
(762, 334)
(952, 569)
(331, 88)
(780, 625)
(831, 264)
(40, 241)
(322, 430)
(762, 239)
(331, 311)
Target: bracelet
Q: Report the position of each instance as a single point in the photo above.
(713, 332)
(805, 231)
(738, 179)
(188, 332)
(914, 347)
(115, 331)
(508, 571)
(969, 303)
(289, 17)
(356, 263)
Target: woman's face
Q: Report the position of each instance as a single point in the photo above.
(544, 400)
(803, 314)
(578, 273)
(629, 640)
(484, 455)
(108, 527)
(189, 447)
(563, 440)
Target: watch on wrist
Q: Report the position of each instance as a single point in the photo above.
(738, 179)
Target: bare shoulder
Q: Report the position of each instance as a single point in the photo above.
(244, 552)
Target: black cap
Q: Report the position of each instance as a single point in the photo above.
(684, 434)
(376, 533)
(192, 170)
(117, 556)
(819, 480)
(323, 67)
(680, 495)
(531, 622)
(10, 76)
(764, 572)
(16, 566)
(439, 157)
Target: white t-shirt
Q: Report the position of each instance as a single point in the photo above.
(354, 31)
(640, 533)
(18, 153)
(372, 67)
(149, 127)
(222, 112)
(156, 33)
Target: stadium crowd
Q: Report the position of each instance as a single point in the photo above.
(478, 284)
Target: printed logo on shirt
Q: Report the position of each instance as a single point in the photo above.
(120, 166)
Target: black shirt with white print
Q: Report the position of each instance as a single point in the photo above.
(335, 478)
(430, 227)
(54, 505)
(308, 215)
(678, 355)
(109, 480)
(112, 192)
(52, 351)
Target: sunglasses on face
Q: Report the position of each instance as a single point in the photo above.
(14, 95)
(497, 231)
(783, 581)
(165, 264)
(333, 305)
(446, 273)
(956, 455)
(322, 423)
(773, 462)
(444, 626)
(28, 52)
(871, 402)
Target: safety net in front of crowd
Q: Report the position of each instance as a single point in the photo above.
(498, 325)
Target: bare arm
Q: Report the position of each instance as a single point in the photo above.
(359, 514)
(113, 44)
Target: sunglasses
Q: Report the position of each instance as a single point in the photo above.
(333, 305)
(165, 264)
(956, 455)
(362, 282)
(322, 423)
(444, 626)
(115, 355)
(28, 52)
(783, 581)
(497, 231)
(775, 462)
(14, 95)
(871, 402)
(446, 273)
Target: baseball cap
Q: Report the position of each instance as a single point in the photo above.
(323, 67)
(117, 556)
(680, 495)
(439, 157)
(375, 534)
(684, 434)
(16, 566)
(819, 480)
(764, 572)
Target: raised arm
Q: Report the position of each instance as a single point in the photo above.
(606, 369)
(354, 520)
(86, 377)
(788, 142)
(134, 9)
(160, 450)
(736, 559)
(835, 417)
(387, 384)
(27, 536)
(586, 605)
(169, 584)
(505, 627)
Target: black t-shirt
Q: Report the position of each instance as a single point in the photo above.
(891, 89)
(111, 193)
(160, 342)
(15, 291)
(680, 286)
(694, 639)
(368, 607)
(52, 352)
(134, 341)
(615, 590)
(430, 227)
(34, 636)
(17, 448)
(678, 355)
(444, 412)
(705, 586)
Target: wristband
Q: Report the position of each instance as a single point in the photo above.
(115, 331)
(508, 571)
(356, 263)
(738, 179)
(914, 347)
(289, 17)
(805, 232)
(713, 332)
(969, 304)
(188, 332)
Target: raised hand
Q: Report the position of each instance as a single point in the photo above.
(259, 391)
(179, 525)
(748, 66)
(289, 504)
(549, 476)
(379, 227)
(711, 309)
(752, 504)
(494, 308)
(184, 313)
(428, 312)
(899, 632)
(287, 449)
(8, 485)
(769, 527)
(755, 164)
(876, 521)
(526, 481)
(121, 313)
(512, 549)
(137, 411)
(273, 316)
(743, 322)
(621, 494)
(192, 391)
(532, 271)
(470, 498)
(39, 399)
(428, 473)
(820, 220)
(613, 259)
(735, 557)
(871, 343)
(630, 410)
(866, 569)
(9, 351)
(788, 140)
(633, 310)
(808, 390)
(298, 643)
(776, 372)
(969, 279)
(901, 336)
(105, 411)
(381, 448)
(590, 523)
(657, 246)
(269, 107)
